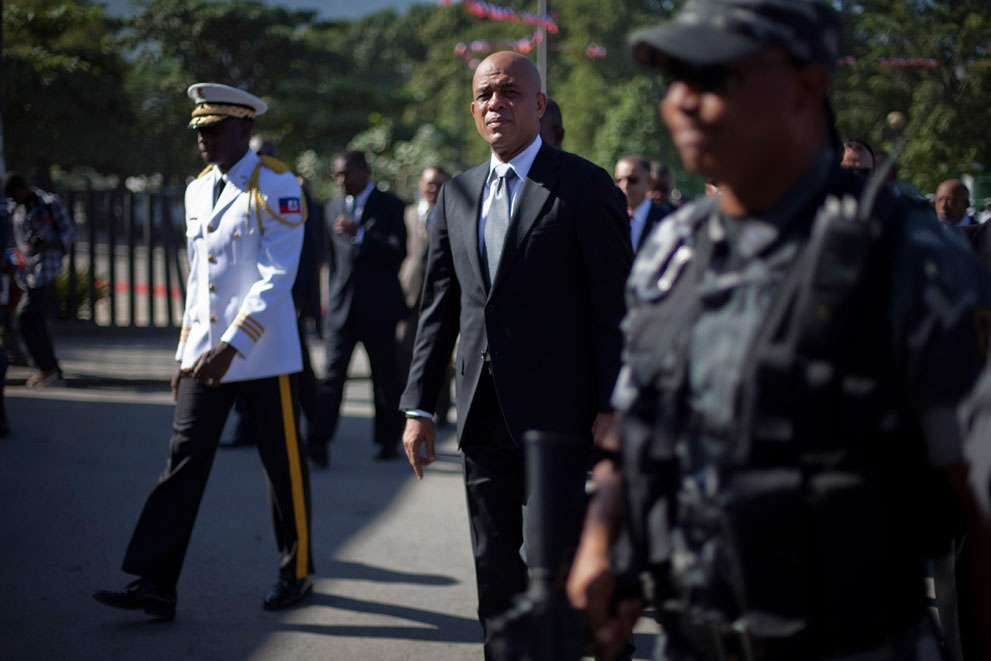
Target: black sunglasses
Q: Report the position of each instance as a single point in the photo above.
(715, 78)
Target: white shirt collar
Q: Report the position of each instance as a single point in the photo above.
(362, 197)
(240, 172)
(640, 213)
(522, 162)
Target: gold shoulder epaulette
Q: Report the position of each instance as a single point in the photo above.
(274, 164)
(204, 171)
(256, 199)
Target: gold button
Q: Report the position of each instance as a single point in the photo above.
(213, 317)
(211, 228)
(236, 234)
(212, 288)
(211, 259)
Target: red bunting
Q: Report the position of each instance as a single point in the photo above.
(494, 12)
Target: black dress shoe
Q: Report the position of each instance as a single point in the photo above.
(287, 592)
(387, 453)
(319, 454)
(142, 594)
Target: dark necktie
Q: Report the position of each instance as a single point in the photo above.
(497, 222)
(218, 188)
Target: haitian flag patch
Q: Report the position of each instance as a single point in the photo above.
(289, 205)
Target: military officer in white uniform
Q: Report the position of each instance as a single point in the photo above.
(244, 230)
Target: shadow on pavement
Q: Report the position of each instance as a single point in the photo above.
(73, 478)
(441, 627)
(344, 569)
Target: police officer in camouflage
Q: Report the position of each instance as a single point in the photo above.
(789, 454)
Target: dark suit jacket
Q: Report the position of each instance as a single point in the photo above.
(364, 278)
(979, 237)
(654, 216)
(550, 322)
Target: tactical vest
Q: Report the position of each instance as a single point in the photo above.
(779, 488)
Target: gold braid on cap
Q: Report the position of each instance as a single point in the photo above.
(206, 113)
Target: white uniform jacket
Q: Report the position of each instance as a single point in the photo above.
(243, 254)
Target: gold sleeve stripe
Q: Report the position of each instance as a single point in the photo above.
(250, 332)
(295, 479)
(251, 320)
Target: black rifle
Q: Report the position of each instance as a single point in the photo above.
(542, 625)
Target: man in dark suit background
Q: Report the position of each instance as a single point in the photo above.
(633, 178)
(367, 243)
(418, 218)
(528, 256)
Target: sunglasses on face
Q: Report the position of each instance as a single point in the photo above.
(714, 78)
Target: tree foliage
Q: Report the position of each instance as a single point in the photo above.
(81, 88)
(63, 100)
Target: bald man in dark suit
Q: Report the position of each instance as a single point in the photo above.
(528, 256)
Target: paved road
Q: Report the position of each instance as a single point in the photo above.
(392, 554)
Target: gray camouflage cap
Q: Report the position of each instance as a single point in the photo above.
(708, 32)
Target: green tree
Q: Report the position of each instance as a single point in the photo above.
(947, 103)
(63, 98)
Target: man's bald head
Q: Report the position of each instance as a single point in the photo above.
(952, 200)
(507, 102)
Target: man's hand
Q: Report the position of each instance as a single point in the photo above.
(211, 367)
(345, 224)
(606, 430)
(419, 432)
(174, 383)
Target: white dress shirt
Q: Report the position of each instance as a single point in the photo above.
(639, 221)
(357, 205)
(520, 164)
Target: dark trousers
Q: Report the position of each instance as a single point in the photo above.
(497, 495)
(159, 542)
(32, 322)
(245, 429)
(380, 344)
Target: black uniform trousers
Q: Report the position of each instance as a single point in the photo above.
(380, 345)
(245, 429)
(159, 542)
(497, 495)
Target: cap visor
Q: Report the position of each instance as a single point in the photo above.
(694, 43)
(205, 121)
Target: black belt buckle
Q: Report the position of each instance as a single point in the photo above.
(733, 642)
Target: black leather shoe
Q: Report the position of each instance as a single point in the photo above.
(142, 594)
(319, 454)
(287, 592)
(387, 453)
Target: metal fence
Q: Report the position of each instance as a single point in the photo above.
(127, 266)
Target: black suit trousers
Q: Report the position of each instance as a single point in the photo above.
(158, 545)
(497, 496)
(380, 345)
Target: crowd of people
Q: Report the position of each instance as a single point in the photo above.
(778, 388)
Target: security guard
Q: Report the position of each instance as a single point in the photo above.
(244, 230)
(795, 350)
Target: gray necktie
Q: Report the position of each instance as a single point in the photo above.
(497, 221)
